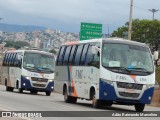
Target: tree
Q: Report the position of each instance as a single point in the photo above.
(146, 31)
(17, 44)
(9, 44)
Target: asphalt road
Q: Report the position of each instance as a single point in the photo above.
(14, 101)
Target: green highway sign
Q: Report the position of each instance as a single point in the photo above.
(90, 31)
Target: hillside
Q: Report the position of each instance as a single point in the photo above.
(19, 28)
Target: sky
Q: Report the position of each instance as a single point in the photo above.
(67, 15)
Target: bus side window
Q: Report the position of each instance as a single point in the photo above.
(8, 58)
(58, 56)
(92, 60)
(84, 53)
(61, 55)
(5, 62)
(12, 56)
(15, 60)
(72, 54)
(66, 56)
(78, 55)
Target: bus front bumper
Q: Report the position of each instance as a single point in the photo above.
(108, 92)
(26, 85)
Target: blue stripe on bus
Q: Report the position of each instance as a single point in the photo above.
(69, 80)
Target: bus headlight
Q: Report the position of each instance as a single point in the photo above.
(149, 86)
(50, 80)
(27, 77)
(108, 82)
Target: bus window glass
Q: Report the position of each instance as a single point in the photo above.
(83, 58)
(66, 56)
(78, 55)
(60, 57)
(38, 62)
(126, 56)
(71, 58)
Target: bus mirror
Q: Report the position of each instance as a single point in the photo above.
(19, 57)
(95, 50)
(20, 63)
(155, 55)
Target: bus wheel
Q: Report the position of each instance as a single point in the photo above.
(73, 99)
(139, 107)
(108, 103)
(33, 92)
(69, 99)
(66, 97)
(11, 89)
(7, 88)
(95, 103)
(48, 93)
(20, 90)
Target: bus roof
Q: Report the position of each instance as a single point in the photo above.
(32, 51)
(108, 40)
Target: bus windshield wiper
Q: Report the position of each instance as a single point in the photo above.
(140, 70)
(121, 68)
(32, 67)
(47, 69)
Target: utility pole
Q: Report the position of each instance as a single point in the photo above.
(153, 11)
(130, 21)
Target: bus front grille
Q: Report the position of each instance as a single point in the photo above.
(39, 79)
(129, 85)
(38, 85)
(125, 94)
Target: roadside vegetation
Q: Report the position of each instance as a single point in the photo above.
(158, 74)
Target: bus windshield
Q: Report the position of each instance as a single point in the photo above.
(127, 57)
(38, 62)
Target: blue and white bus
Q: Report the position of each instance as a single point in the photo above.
(106, 71)
(31, 70)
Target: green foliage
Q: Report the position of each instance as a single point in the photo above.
(158, 75)
(146, 31)
(17, 44)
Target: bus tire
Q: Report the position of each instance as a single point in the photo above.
(66, 97)
(20, 90)
(95, 102)
(34, 92)
(11, 89)
(48, 93)
(7, 88)
(108, 103)
(69, 99)
(139, 107)
(73, 99)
